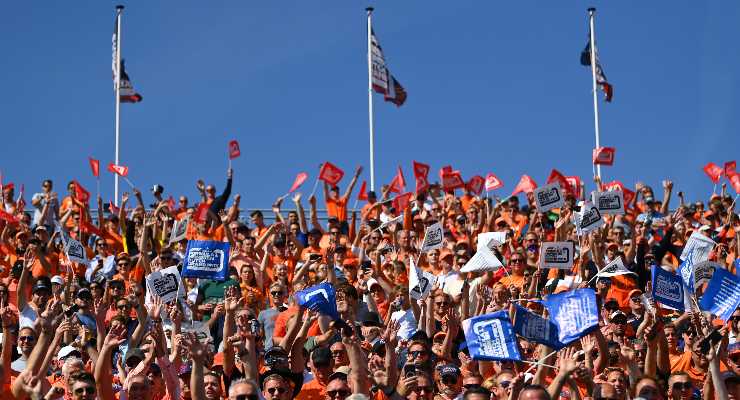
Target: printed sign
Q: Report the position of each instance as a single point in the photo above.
(723, 294)
(164, 283)
(700, 245)
(557, 255)
(548, 197)
(667, 288)
(686, 270)
(704, 271)
(614, 268)
(535, 328)
(433, 237)
(588, 219)
(611, 202)
(75, 251)
(482, 260)
(420, 282)
(321, 298)
(574, 312)
(201, 330)
(179, 230)
(491, 337)
(491, 239)
(206, 259)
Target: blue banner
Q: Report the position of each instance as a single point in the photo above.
(490, 337)
(667, 287)
(686, 269)
(321, 298)
(722, 296)
(574, 313)
(536, 329)
(206, 259)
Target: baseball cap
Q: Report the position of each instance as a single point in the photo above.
(83, 293)
(371, 319)
(616, 314)
(340, 373)
(68, 351)
(134, 354)
(57, 279)
(634, 292)
(449, 370)
(41, 284)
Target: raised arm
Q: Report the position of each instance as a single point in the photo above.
(301, 213)
(28, 261)
(314, 215)
(352, 183)
(358, 364)
(667, 189)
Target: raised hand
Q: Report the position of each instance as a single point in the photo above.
(115, 336)
(567, 361)
(588, 343)
(155, 311)
(297, 198)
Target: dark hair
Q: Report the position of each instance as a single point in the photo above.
(83, 376)
(348, 290)
(536, 388)
(255, 213)
(476, 390)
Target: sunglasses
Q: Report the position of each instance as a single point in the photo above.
(26, 338)
(246, 397)
(341, 393)
(338, 353)
(516, 260)
(504, 384)
(276, 390)
(449, 380)
(416, 353)
(85, 390)
(470, 386)
(276, 293)
(423, 389)
(441, 303)
(635, 300)
(682, 386)
(123, 306)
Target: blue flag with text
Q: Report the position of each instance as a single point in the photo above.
(722, 296)
(536, 329)
(207, 259)
(321, 298)
(574, 313)
(490, 337)
(667, 287)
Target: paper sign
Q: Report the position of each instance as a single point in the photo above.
(723, 294)
(700, 245)
(201, 330)
(614, 268)
(557, 255)
(491, 239)
(433, 237)
(611, 202)
(164, 283)
(420, 282)
(704, 271)
(588, 219)
(483, 260)
(548, 197)
(206, 259)
(491, 337)
(75, 251)
(667, 288)
(179, 230)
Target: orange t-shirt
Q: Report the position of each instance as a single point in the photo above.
(337, 208)
(281, 323)
(313, 390)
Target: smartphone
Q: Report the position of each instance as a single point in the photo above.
(713, 338)
(72, 310)
(314, 257)
(409, 370)
(254, 327)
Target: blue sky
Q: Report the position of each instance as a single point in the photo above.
(493, 86)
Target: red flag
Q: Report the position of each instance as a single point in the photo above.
(330, 173)
(113, 209)
(604, 155)
(526, 184)
(735, 181)
(398, 184)
(362, 194)
(118, 169)
(8, 217)
(713, 171)
(401, 201)
(447, 169)
(730, 168)
(475, 184)
(493, 182)
(556, 176)
(299, 179)
(574, 186)
(452, 180)
(89, 228)
(95, 166)
(20, 205)
(82, 195)
(201, 213)
(234, 151)
(421, 176)
(629, 195)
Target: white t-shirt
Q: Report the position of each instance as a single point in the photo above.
(408, 323)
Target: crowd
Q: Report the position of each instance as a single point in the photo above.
(94, 330)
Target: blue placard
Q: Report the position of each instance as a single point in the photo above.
(536, 329)
(686, 269)
(574, 312)
(321, 298)
(722, 296)
(206, 259)
(667, 287)
(490, 337)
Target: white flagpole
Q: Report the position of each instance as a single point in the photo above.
(591, 13)
(370, 94)
(119, 11)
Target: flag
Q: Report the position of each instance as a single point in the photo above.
(362, 194)
(383, 80)
(490, 337)
(735, 182)
(90, 229)
(686, 270)
(118, 169)
(629, 195)
(722, 296)
(171, 203)
(526, 185)
(207, 259)
(234, 150)
(493, 182)
(556, 176)
(713, 171)
(730, 168)
(401, 201)
(482, 260)
(398, 184)
(320, 298)
(330, 173)
(420, 282)
(452, 180)
(8, 217)
(601, 80)
(667, 288)
(433, 237)
(574, 186)
(201, 213)
(604, 155)
(614, 268)
(421, 175)
(535, 328)
(94, 166)
(82, 195)
(20, 204)
(575, 313)
(127, 92)
(113, 209)
(299, 179)
(475, 184)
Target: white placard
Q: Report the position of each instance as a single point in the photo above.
(491, 239)
(75, 251)
(433, 237)
(704, 271)
(557, 255)
(483, 260)
(179, 230)
(164, 283)
(548, 197)
(611, 202)
(700, 245)
(614, 268)
(588, 219)
(420, 282)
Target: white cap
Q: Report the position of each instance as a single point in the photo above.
(704, 228)
(57, 279)
(65, 351)
(371, 282)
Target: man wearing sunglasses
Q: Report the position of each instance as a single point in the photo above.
(680, 386)
(276, 387)
(449, 384)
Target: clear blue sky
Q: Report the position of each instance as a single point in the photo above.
(493, 86)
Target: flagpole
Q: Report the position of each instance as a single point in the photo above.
(119, 11)
(370, 94)
(591, 14)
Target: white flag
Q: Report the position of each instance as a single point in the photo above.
(588, 219)
(700, 245)
(179, 230)
(483, 260)
(75, 251)
(392, 221)
(420, 282)
(614, 268)
(491, 239)
(433, 237)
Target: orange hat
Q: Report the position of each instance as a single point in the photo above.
(446, 253)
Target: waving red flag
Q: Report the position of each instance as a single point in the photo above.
(713, 171)
(452, 180)
(401, 201)
(118, 169)
(421, 176)
(475, 184)
(398, 184)
(629, 195)
(526, 184)
(574, 186)
(362, 194)
(735, 181)
(556, 176)
(95, 166)
(201, 213)
(493, 182)
(299, 179)
(604, 155)
(330, 173)
(730, 168)
(8, 217)
(234, 150)
(80, 192)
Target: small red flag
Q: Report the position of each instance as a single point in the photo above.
(475, 184)
(362, 194)
(526, 184)
(89, 228)
(201, 213)
(713, 171)
(574, 186)
(8, 217)
(421, 176)
(401, 201)
(730, 168)
(604, 155)
(299, 179)
(20, 205)
(330, 173)
(82, 195)
(556, 176)
(113, 209)
(118, 169)
(234, 151)
(735, 181)
(452, 180)
(171, 203)
(398, 184)
(493, 182)
(95, 166)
